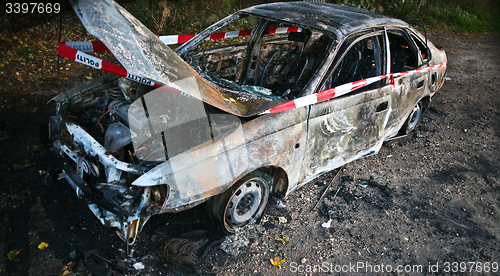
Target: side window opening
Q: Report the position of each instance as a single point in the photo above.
(363, 60)
(403, 56)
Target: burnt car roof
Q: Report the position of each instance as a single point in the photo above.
(338, 19)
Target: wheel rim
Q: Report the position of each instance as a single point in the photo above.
(246, 203)
(414, 117)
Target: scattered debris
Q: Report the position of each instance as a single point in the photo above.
(232, 243)
(327, 224)
(324, 192)
(280, 204)
(330, 214)
(180, 252)
(72, 255)
(365, 247)
(139, 266)
(362, 185)
(338, 190)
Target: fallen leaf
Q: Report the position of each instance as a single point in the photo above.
(12, 254)
(276, 261)
(278, 238)
(67, 269)
(281, 220)
(43, 245)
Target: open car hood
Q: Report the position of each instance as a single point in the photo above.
(143, 54)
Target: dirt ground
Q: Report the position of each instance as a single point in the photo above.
(421, 204)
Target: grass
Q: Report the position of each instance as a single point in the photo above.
(479, 21)
(469, 21)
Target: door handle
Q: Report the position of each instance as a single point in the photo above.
(420, 84)
(383, 106)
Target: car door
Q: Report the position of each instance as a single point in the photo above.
(409, 85)
(350, 126)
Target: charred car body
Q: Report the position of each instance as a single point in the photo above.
(133, 151)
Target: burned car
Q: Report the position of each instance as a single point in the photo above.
(259, 104)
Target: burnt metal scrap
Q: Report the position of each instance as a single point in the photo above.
(133, 151)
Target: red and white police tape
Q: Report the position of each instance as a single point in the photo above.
(103, 65)
(342, 90)
(79, 56)
(98, 46)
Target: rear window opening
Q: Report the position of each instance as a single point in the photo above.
(424, 51)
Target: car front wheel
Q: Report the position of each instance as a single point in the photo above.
(241, 204)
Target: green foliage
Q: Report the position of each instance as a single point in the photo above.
(361, 4)
(225, 9)
(406, 10)
(469, 21)
(477, 16)
(458, 17)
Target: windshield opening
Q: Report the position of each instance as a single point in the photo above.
(260, 56)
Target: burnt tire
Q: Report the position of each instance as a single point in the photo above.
(413, 119)
(243, 203)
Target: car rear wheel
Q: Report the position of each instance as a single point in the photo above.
(413, 118)
(241, 204)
